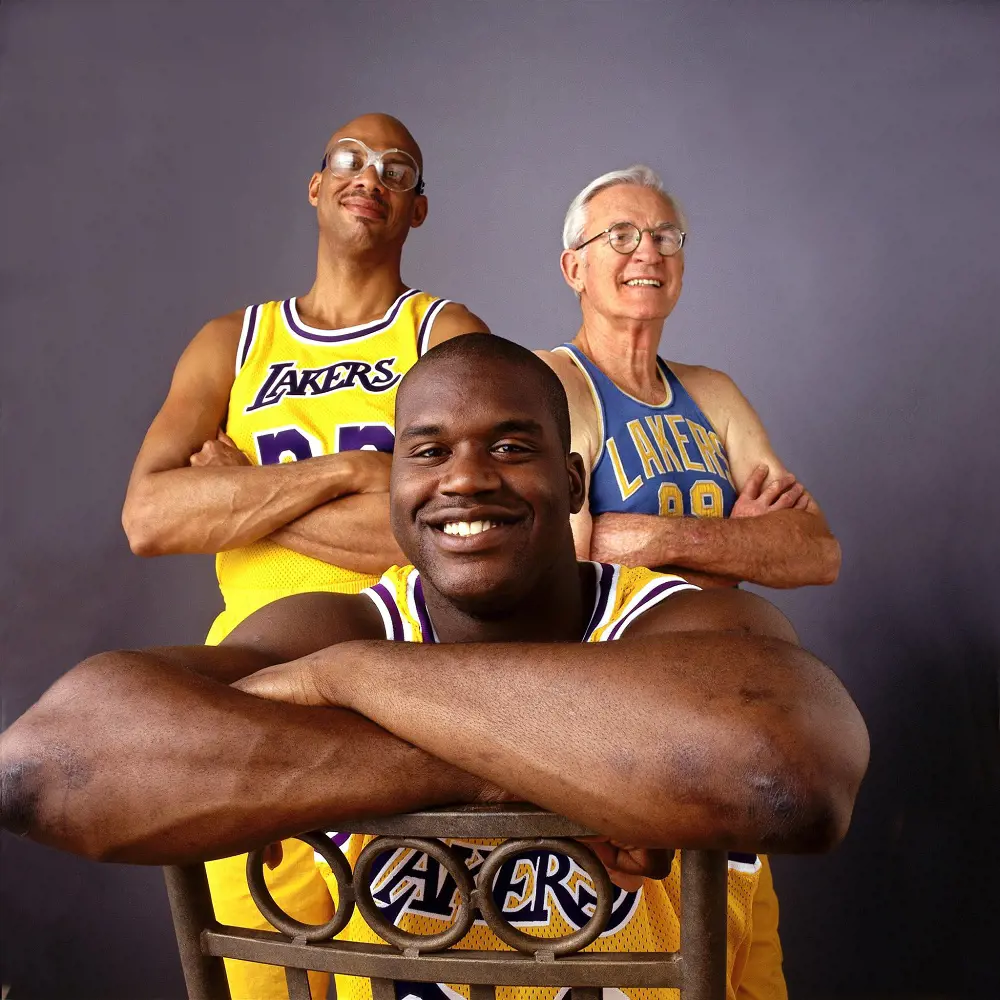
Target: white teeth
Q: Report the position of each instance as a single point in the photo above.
(467, 527)
(634, 282)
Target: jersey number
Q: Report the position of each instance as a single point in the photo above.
(292, 444)
(705, 497)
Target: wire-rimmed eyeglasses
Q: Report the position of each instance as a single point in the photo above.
(395, 168)
(626, 236)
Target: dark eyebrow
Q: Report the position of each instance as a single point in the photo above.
(422, 430)
(525, 426)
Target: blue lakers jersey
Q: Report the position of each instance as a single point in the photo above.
(664, 459)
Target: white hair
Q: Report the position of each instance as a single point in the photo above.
(639, 174)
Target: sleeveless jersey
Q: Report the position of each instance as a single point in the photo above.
(301, 392)
(663, 459)
(548, 894)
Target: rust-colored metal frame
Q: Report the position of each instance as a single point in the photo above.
(698, 970)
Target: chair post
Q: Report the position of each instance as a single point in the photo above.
(191, 908)
(704, 877)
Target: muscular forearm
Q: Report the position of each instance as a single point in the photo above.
(699, 740)
(211, 509)
(785, 548)
(129, 759)
(352, 532)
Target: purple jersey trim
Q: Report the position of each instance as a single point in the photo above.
(390, 605)
(423, 616)
(657, 594)
(424, 333)
(248, 334)
(354, 332)
(603, 595)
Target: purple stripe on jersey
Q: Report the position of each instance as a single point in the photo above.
(390, 603)
(422, 614)
(603, 594)
(336, 338)
(653, 597)
(423, 334)
(251, 330)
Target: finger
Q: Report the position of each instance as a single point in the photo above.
(630, 883)
(776, 487)
(273, 854)
(281, 683)
(225, 438)
(803, 502)
(751, 488)
(789, 498)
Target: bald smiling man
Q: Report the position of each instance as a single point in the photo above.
(273, 446)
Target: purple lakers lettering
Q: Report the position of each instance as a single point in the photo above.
(284, 379)
(527, 888)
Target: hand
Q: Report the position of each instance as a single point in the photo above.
(297, 683)
(784, 493)
(219, 451)
(372, 471)
(325, 678)
(628, 865)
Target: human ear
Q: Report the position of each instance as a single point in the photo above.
(572, 268)
(419, 213)
(577, 482)
(314, 184)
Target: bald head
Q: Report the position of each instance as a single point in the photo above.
(475, 355)
(379, 131)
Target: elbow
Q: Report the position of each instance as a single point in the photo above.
(142, 526)
(828, 563)
(20, 786)
(809, 805)
(806, 820)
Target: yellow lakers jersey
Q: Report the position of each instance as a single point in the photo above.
(300, 392)
(545, 893)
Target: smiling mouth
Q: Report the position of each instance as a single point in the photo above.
(643, 283)
(468, 527)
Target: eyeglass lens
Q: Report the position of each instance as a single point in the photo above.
(396, 169)
(624, 237)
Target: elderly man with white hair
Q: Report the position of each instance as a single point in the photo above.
(682, 473)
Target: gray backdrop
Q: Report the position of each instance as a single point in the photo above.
(839, 166)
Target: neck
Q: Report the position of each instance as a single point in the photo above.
(625, 350)
(557, 609)
(350, 289)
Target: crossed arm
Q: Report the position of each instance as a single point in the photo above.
(192, 490)
(776, 536)
(706, 727)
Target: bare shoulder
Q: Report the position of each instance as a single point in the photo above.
(220, 335)
(700, 380)
(569, 374)
(303, 623)
(453, 320)
(717, 610)
(714, 391)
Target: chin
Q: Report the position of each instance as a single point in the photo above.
(484, 588)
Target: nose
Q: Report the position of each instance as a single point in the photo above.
(369, 179)
(469, 472)
(646, 250)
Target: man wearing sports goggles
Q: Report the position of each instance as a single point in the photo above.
(273, 446)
